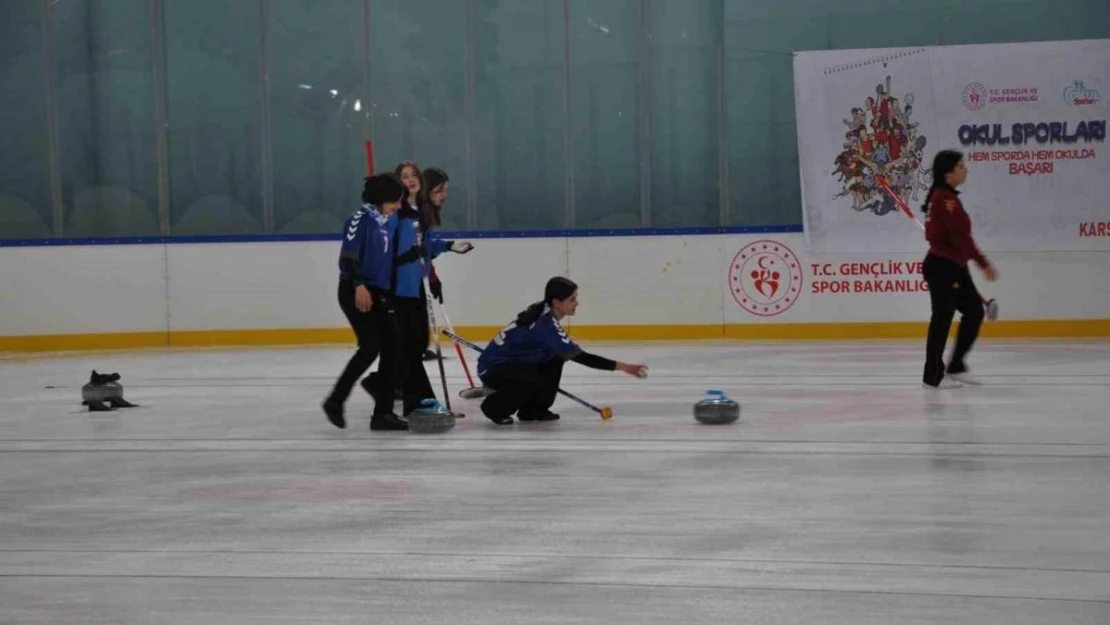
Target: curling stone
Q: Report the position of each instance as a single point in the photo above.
(716, 409)
(103, 393)
(431, 418)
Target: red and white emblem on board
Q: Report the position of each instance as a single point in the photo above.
(765, 278)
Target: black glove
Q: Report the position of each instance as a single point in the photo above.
(413, 254)
(437, 289)
(382, 301)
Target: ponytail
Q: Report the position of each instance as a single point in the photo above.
(944, 163)
(557, 289)
(929, 197)
(530, 315)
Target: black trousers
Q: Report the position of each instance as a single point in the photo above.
(522, 388)
(950, 289)
(376, 333)
(412, 336)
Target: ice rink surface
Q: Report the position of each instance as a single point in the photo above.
(847, 494)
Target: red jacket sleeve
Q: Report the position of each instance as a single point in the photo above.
(973, 251)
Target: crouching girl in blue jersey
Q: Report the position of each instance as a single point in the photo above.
(365, 279)
(523, 364)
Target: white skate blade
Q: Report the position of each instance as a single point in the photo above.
(965, 378)
(477, 392)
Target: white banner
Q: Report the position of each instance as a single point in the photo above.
(1030, 119)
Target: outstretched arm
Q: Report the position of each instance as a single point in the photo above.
(437, 246)
(558, 341)
(594, 361)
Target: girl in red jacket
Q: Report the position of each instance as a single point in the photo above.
(948, 230)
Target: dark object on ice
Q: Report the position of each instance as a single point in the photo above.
(431, 418)
(104, 393)
(716, 409)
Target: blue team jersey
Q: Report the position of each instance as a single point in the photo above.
(366, 239)
(543, 341)
(410, 275)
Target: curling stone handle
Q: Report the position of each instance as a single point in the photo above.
(717, 393)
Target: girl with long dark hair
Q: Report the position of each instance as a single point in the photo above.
(414, 207)
(415, 252)
(436, 183)
(951, 246)
(409, 173)
(523, 364)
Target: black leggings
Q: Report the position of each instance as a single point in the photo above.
(950, 289)
(412, 336)
(524, 388)
(376, 336)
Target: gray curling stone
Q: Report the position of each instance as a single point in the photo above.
(716, 409)
(431, 418)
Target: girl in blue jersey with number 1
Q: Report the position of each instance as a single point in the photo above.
(365, 280)
(524, 363)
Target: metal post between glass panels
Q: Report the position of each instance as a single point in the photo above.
(471, 158)
(723, 182)
(367, 91)
(267, 136)
(158, 70)
(643, 96)
(568, 138)
(56, 200)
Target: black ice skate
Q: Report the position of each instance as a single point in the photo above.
(104, 393)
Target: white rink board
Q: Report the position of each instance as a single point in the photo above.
(659, 281)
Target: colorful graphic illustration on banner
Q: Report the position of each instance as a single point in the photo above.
(881, 144)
